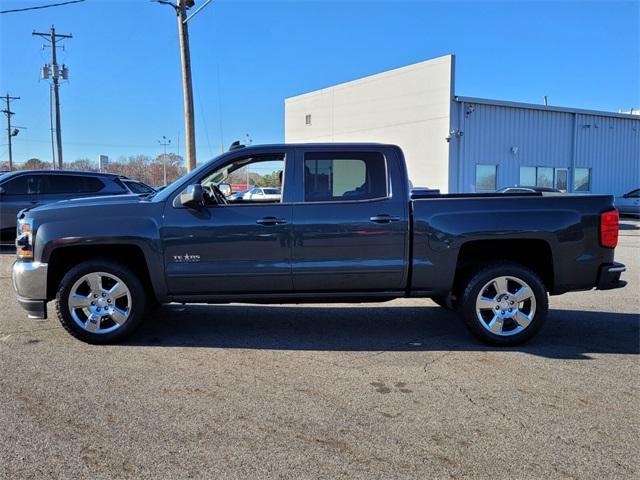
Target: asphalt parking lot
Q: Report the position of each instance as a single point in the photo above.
(396, 390)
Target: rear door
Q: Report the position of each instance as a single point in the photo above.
(351, 221)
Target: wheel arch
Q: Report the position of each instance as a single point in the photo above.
(62, 259)
(535, 254)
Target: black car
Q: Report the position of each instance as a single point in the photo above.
(28, 188)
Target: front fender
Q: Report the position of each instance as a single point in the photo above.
(142, 232)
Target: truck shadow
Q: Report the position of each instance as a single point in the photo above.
(568, 334)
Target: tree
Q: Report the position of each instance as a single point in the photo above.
(147, 170)
(269, 180)
(35, 164)
(82, 164)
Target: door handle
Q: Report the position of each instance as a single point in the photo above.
(269, 221)
(384, 218)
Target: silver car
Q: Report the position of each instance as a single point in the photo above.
(262, 194)
(629, 203)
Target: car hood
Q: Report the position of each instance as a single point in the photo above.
(129, 199)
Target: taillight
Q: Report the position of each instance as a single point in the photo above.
(609, 229)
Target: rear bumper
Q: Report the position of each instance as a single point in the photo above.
(609, 276)
(30, 283)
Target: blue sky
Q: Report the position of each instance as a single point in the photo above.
(125, 91)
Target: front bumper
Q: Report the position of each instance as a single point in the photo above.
(609, 276)
(30, 283)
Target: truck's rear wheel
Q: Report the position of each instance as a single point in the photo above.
(504, 304)
(100, 301)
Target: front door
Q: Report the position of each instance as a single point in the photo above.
(350, 230)
(240, 247)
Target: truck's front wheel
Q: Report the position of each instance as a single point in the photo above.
(504, 304)
(100, 301)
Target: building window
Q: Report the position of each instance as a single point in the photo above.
(486, 177)
(544, 177)
(561, 179)
(307, 119)
(527, 176)
(582, 180)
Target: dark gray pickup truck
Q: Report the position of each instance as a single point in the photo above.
(345, 227)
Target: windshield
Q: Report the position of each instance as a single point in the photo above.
(168, 190)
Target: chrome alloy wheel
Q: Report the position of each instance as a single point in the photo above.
(505, 306)
(99, 302)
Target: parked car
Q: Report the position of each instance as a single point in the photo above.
(138, 187)
(344, 229)
(528, 190)
(26, 189)
(629, 203)
(262, 194)
(236, 196)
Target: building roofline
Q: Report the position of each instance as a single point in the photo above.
(375, 76)
(534, 106)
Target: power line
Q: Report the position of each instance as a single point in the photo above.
(41, 6)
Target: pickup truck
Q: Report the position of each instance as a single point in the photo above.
(346, 228)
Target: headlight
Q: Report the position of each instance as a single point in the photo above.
(24, 238)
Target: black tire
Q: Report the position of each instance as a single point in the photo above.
(136, 309)
(447, 303)
(477, 284)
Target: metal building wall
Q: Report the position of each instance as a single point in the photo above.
(611, 147)
(511, 136)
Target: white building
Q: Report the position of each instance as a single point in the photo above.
(462, 144)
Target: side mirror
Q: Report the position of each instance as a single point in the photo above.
(626, 195)
(225, 188)
(2, 191)
(192, 196)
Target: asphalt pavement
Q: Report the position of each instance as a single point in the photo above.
(392, 390)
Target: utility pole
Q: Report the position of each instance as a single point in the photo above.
(56, 73)
(181, 7)
(187, 90)
(10, 133)
(164, 142)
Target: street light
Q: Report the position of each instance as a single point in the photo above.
(164, 142)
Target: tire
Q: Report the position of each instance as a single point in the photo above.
(447, 303)
(504, 304)
(100, 302)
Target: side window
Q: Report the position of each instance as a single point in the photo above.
(91, 185)
(634, 194)
(336, 177)
(57, 184)
(61, 184)
(250, 174)
(23, 185)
